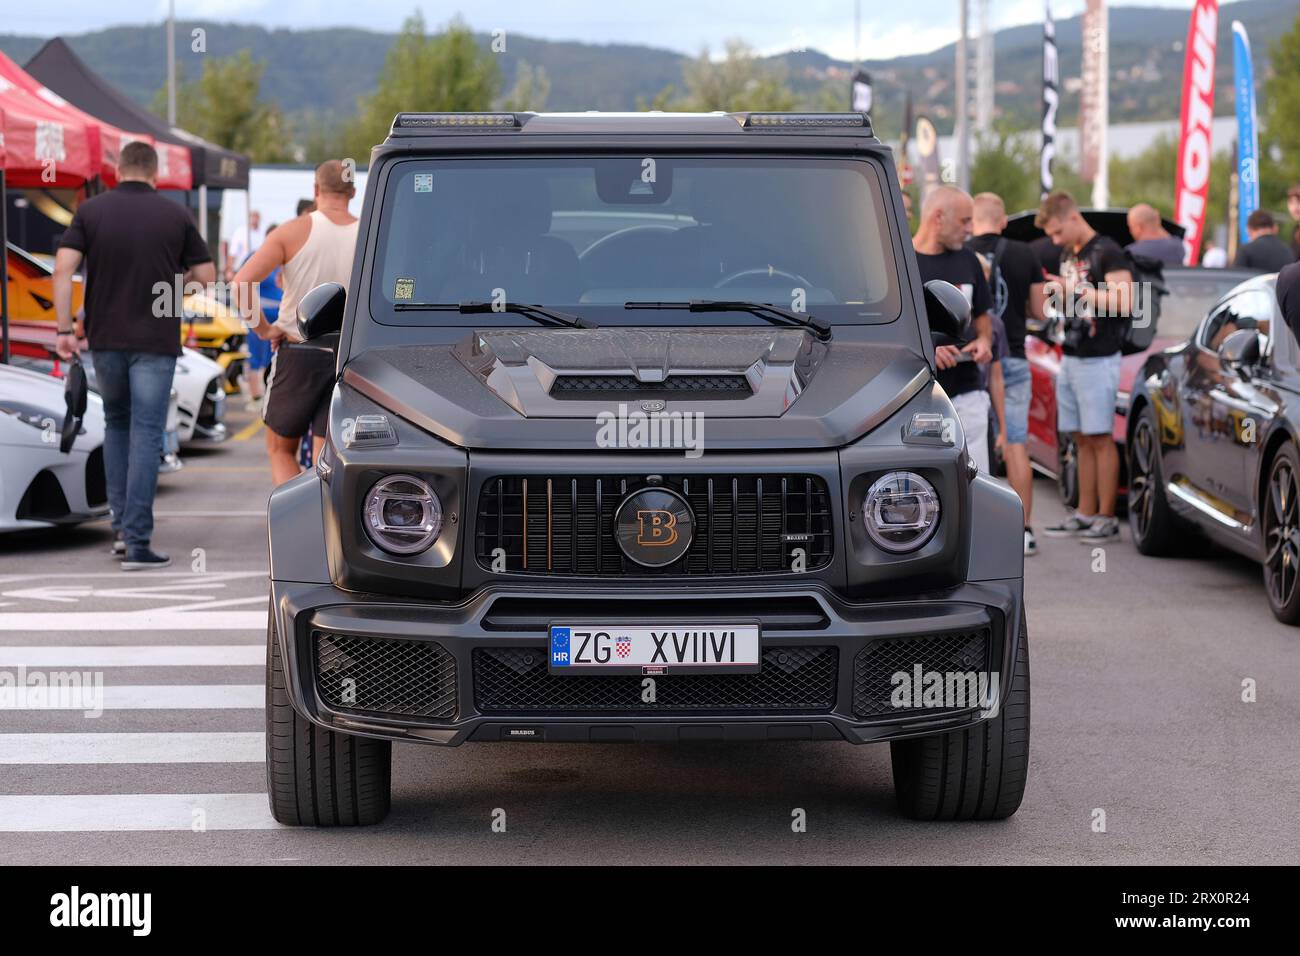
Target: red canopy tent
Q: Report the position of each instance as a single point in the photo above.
(44, 148)
(173, 160)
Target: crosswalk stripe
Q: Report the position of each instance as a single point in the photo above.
(150, 620)
(135, 811)
(135, 697)
(106, 748)
(134, 655)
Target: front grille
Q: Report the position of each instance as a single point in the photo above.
(884, 671)
(96, 479)
(744, 524)
(570, 386)
(387, 677)
(793, 680)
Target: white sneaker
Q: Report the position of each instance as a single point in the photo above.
(1031, 546)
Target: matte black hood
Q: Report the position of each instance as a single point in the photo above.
(756, 388)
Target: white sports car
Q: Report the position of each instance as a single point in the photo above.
(200, 399)
(40, 486)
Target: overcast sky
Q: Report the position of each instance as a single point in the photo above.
(889, 28)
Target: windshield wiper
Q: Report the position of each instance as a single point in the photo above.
(538, 313)
(774, 314)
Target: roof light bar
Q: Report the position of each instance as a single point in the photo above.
(803, 120)
(457, 120)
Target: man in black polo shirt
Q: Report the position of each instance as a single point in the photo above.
(1265, 252)
(946, 219)
(139, 247)
(1095, 292)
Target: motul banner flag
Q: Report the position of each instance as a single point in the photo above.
(1194, 148)
(1243, 71)
(1051, 100)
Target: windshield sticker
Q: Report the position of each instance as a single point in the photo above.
(424, 182)
(404, 289)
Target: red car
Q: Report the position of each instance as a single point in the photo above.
(1192, 291)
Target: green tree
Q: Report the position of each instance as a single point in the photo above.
(1006, 163)
(739, 81)
(224, 107)
(530, 90)
(445, 71)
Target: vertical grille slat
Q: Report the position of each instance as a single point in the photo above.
(749, 528)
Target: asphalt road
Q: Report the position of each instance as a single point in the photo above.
(1137, 712)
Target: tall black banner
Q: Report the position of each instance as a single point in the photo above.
(1051, 100)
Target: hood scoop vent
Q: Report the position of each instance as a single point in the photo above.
(685, 385)
(579, 373)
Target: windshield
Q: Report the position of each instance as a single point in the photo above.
(586, 235)
(1191, 296)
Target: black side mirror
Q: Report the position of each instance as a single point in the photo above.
(320, 311)
(947, 309)
(1240, 352)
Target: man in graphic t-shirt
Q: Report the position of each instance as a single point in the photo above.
(946, 219)
(1095, 292)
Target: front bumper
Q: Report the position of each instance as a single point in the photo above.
(460, 694)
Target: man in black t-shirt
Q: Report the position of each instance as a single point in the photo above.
(1016, 282)
(140, 249)
(1095, 293)
(946, 220)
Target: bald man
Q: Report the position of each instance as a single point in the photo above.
(312, 249)
(1150, 238)
(1016, 283)
(947, 217)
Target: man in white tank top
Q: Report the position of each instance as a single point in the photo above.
(314, 248)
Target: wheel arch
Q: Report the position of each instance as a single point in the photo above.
(1277, 437)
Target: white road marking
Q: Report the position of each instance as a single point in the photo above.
(117, 575)
(139, 697)
(134, 655)
(221, 747)
(69, 813)
(167, 619)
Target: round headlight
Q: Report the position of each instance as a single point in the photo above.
(402, 514)
(901, 511)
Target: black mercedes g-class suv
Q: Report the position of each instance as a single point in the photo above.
(636, 437)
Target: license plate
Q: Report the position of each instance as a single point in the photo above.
(652, 650)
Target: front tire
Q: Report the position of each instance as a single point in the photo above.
(317, 777)
(973, 774)
(1156, 530)
(1281, 515)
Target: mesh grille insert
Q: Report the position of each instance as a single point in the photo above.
(564, 524)
(381, 676)
(793, 680)
(954, 656)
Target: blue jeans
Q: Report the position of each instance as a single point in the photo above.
(136, 388)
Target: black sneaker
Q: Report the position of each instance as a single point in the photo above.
(1031, 546)
(142, 559)
(119, 545)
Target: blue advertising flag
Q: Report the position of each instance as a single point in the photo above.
(1247, 131)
